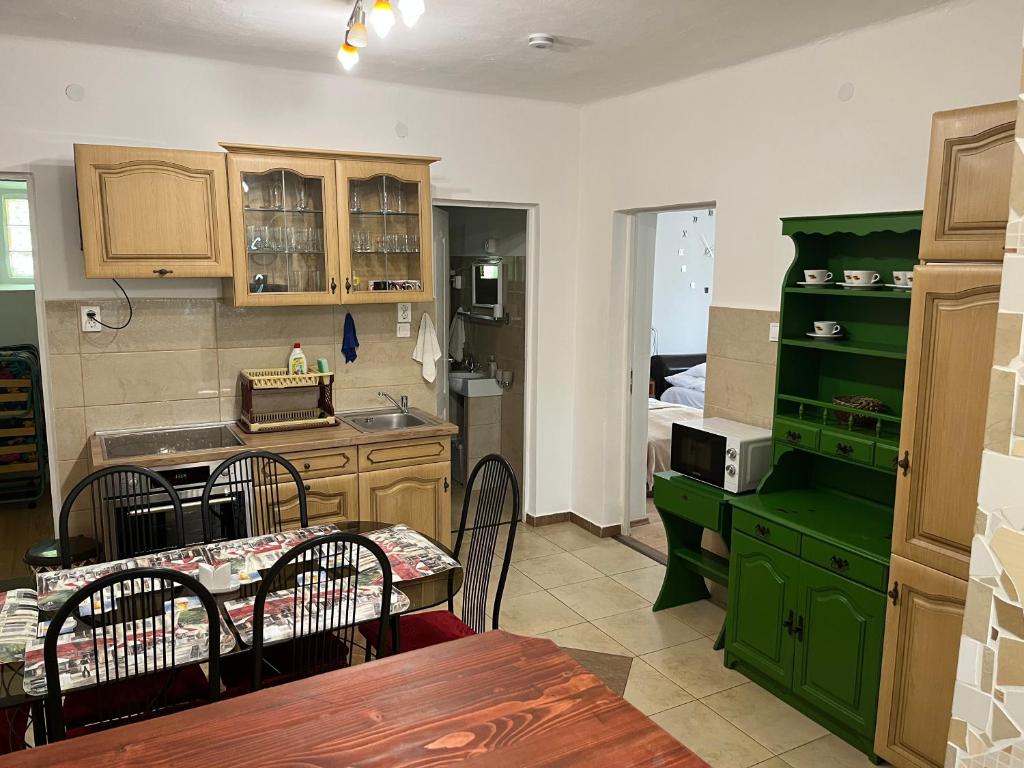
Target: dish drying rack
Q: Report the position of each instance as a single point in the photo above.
(255, 380)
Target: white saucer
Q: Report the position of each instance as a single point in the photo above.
(829, 336)
(860, 286)
(814, 283)
(899, 287)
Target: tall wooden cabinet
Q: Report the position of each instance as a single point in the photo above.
(967, 197)
(153, 212)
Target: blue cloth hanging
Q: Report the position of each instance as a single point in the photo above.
(349, 340)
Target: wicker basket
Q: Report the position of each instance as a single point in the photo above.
(861, 403)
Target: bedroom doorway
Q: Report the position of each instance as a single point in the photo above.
(673, 254)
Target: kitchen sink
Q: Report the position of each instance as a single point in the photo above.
(382, 421)
(161, 441)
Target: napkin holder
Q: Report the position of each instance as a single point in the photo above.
(215, 579)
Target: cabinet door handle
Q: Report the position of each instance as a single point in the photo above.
(840, 564)
(163, 272)
(762, 530)
(904, 463)
(788, 623)
(793, 437)
(348, 285)
(334, 285)
(799, 629)
(306, 465)
(306, 486)
(843, 449)
(446, 485)
(894, 593)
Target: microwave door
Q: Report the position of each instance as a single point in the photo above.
(698, 454)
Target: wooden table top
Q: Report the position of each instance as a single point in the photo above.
(493, 699)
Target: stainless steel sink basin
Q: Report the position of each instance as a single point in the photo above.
(153, 442)
(382, 421)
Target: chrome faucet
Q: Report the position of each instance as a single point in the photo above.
(402, 403)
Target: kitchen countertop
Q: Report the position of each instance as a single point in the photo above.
(339, 436)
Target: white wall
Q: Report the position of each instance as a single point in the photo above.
(765, 139)
(494, 149)
(683, 274)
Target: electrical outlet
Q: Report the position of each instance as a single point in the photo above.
(404, 312)
(90, 324)
(773, 331)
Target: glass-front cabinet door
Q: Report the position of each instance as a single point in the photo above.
(284, 229)
(384, 232)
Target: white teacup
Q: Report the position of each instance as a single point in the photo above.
(827, 328)
(861, 276)
(905, 278)
(821, 276)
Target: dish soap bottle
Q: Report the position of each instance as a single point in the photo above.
(492, 367)
(297, 360)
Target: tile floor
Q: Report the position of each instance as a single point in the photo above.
(651, 533)
(595, 594)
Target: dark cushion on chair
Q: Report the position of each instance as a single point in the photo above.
(422, 630)
(172, 688)
(13, 725)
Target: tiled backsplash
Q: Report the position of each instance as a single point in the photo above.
(988, 701)
(178, 360)
(741, 365)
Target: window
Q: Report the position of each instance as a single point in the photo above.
(15, 236)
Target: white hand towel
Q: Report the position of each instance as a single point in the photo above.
(427, 351)
(457, 338)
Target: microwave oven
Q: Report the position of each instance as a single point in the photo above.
(723, 453)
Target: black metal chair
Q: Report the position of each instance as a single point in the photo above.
(131, 511)
(254, 480)
(135, 647)
(491, 515)
(304, 618)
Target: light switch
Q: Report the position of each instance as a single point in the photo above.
(404, 330)
(773, 331)
(404, 312)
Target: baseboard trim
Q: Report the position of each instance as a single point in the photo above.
(540, 520)
(604, 531)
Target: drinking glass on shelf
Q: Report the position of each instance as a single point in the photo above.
(276, 197)
(414, 243)
(384, 201)
(300, 197)
(276, 242)
(353, 204)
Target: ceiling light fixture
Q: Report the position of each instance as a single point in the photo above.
(411, 11)
(348, 55)
(382, 17)
(357, 36)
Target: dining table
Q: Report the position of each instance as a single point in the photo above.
(493, 699)
(438, 576)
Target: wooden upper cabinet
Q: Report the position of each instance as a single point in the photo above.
(385, 231)
(967, 198)
(922, 640)
(949, 359)
(284, 230)
(153, 212)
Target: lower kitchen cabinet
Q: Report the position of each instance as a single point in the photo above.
(812, 637)
(328, 500)
(416, 495)
(922, 641)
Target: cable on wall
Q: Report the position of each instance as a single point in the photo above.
(131, 311)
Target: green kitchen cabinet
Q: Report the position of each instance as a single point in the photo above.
(839, 647)
(762, 607)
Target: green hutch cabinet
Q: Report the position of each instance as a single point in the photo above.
(810, 550)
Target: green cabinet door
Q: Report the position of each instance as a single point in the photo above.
(762, 602)
(839, 650)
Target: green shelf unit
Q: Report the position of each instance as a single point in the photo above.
(810, 556)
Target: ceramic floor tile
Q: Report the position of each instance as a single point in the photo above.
(558, 569)
(599, 598)
(650, 691)
(696, 667)
(568, 536)
(765, 718)
(516, 583)
(616, 558)
(646, 582)
(527, 546)
(718, 742)
(536, 614)
(646, 631)
(586, 637)
(703, 615)
(775, 762)
(830, 750)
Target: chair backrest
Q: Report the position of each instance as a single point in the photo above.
(132, 633)
(312, 600)
(131, 511)
(256, 481)
(493, 512)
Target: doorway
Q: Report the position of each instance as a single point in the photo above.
(25, 513)
(484, 252)
(672, 253)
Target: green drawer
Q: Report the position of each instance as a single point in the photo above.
(847, 447)
(886, 456)
(766, 530)
(845, 563)
(702, 508)
(796, 432)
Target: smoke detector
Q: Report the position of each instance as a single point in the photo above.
(541, 40)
